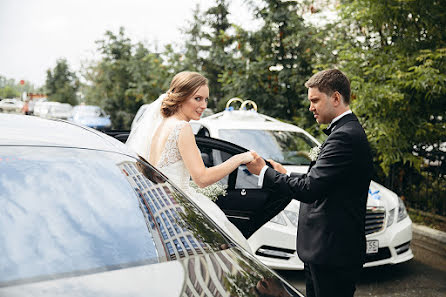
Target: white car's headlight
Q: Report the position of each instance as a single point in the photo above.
(292, 216)
(402, 212)
(278, 220)
(391, 217)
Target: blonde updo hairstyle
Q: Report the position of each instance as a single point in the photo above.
(183, 85)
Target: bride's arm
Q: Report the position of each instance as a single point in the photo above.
(201, 175)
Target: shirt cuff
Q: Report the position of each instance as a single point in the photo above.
(262, 175)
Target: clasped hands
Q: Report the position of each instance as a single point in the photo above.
(256, 165)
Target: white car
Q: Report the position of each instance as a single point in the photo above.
(388, 227)
(11, 105)
(60, 111)
(42, 108)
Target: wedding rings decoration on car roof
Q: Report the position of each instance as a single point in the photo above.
(235, 99)
(242, 113)
(243, 104)
(253, 104)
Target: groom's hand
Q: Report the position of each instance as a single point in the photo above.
(256, 165)
(277, 166)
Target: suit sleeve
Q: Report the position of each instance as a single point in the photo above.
(333, 164)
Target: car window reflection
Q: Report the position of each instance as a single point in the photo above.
(182, 228)
(74, 213)
(71, 213)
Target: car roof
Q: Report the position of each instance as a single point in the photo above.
(248, 120)
(35, 131)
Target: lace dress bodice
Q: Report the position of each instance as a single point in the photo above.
(171, 163)
(171, 152)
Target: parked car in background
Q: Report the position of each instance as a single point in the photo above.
(81, 215)
(42, 107)
(388, 227)
(37, 106)
(60, 111)
(91, 116)
(11, 105)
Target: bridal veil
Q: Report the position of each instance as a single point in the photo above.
(141, 135)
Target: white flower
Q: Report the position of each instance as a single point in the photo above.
(211, 191)
(314, 153)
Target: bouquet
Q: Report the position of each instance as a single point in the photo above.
(211, 191)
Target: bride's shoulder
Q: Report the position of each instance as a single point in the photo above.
(178, 126)
(184, 130)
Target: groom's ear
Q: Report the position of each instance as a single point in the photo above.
(337, 98)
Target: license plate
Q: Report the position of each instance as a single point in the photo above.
(372, 246)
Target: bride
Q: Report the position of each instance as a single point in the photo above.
(165, 138)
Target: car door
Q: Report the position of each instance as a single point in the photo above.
(246, 205)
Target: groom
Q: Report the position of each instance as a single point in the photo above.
(331, 237)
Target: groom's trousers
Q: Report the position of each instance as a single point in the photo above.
(330, 280)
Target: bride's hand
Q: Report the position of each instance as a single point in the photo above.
(246, 157)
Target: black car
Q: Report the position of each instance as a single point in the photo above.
(80, 215)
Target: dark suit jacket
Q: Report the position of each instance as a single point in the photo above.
(333, 195)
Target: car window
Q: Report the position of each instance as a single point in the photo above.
(67, 212)
(286, 147)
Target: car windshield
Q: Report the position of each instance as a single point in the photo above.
(68, 212)
(285, 147)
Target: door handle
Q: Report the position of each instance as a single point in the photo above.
(243, 192)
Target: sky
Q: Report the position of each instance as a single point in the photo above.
(35, 33)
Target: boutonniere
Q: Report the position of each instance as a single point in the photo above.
(314, 153)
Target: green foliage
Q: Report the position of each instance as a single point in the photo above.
(273, 63)
(395, 56)
(128, 76)
(209, 46)
(9, 88)
(62, 84)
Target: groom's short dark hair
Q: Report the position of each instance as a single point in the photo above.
(329, 81)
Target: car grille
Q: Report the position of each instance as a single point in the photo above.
(374, 219)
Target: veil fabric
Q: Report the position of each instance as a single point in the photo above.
(141, 135)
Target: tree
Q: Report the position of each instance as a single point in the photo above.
(274, 62)
(394, 53)
(62, 84)
(127, 76)
(191, 58)
(8, 88)
(209, 46)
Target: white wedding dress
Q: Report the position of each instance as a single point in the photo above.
(172, 165)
